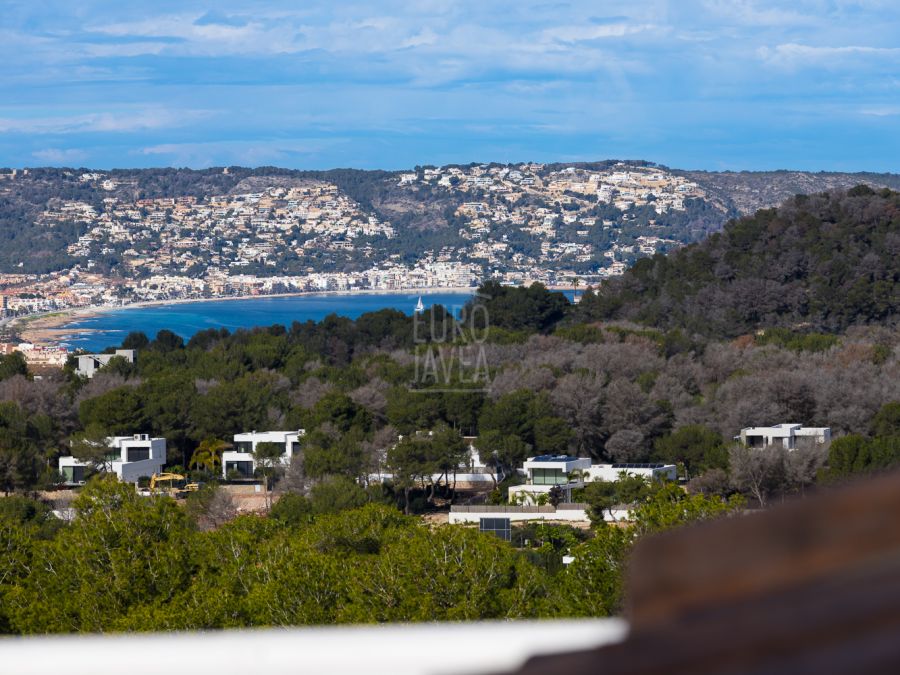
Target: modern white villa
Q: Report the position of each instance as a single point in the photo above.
(610, 473)
(545, 472)
(89, 364)
(788, 436)
(240, 458)
(130, 458)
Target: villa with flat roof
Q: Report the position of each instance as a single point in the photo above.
(89, 364)
(129, 457)
(240, 458)
(545, 472)
(789, 436)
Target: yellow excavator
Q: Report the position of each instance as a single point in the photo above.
(172, 484)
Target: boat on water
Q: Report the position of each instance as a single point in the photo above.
(420, 306)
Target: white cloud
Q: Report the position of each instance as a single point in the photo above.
(118, 122)
(245, 153)
(58, 156)
(754, 13)
(581, 33)
(881, 111)
(793, 54)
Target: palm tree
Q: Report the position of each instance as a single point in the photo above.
(208, 454)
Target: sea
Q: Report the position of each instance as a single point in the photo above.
(109, 327)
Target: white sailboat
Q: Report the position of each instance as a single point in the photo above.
(420, 306)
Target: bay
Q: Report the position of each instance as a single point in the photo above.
(108, 328)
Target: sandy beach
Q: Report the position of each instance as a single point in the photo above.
(50, 328)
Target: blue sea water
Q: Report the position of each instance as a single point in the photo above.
(110, 327)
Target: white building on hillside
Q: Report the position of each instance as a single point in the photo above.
(89, 364)
(129, 457)
(240, 458)
(545, 472)
(788, 436)
(472, 472)
(610, 473)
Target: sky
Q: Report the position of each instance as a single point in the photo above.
(699, 84)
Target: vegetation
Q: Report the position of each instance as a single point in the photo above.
(824, 262)
(337, 546)
(130, 563)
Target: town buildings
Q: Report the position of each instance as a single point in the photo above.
(518, 224)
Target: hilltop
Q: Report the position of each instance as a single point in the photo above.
(821, 262)
(73, 237)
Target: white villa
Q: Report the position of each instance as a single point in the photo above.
(240, 458)
(89, 364)
(545, 472)
(788, 436)
(610, 473)
(472, 472)
(130, 458)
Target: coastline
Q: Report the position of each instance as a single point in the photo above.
(48, 328)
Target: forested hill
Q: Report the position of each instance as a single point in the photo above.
(822, 262)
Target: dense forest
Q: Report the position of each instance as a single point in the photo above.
(823, 262)
(630, 374)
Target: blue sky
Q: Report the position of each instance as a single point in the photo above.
(714, 84)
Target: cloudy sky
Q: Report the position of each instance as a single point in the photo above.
(716, 84)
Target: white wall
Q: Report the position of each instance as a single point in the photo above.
(130, 472)
(572, 515)
(464, 648)
(569, 515)
(606, 472)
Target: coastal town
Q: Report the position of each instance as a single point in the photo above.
(562, 226)
(520, 224)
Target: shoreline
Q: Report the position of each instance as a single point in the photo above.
(46, 329)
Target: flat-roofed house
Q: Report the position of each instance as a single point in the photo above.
(240, 458)
(89, 364)
(789, 436)
(129, 457)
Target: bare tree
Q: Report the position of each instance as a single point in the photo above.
(757, 472)
(372, 396)
(627, 445)
(310, 392)
(295, 481)
(211, 508)
(713, 482)
(577, 399)
(801, 466)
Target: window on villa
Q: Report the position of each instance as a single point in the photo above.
(243, 446)
(137, 454)
(548, 476)
(243, 468)
(73, 474)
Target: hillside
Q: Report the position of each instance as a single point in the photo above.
(749, 191)
(822, 262)
(582, 218)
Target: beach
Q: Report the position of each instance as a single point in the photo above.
(53, 328)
